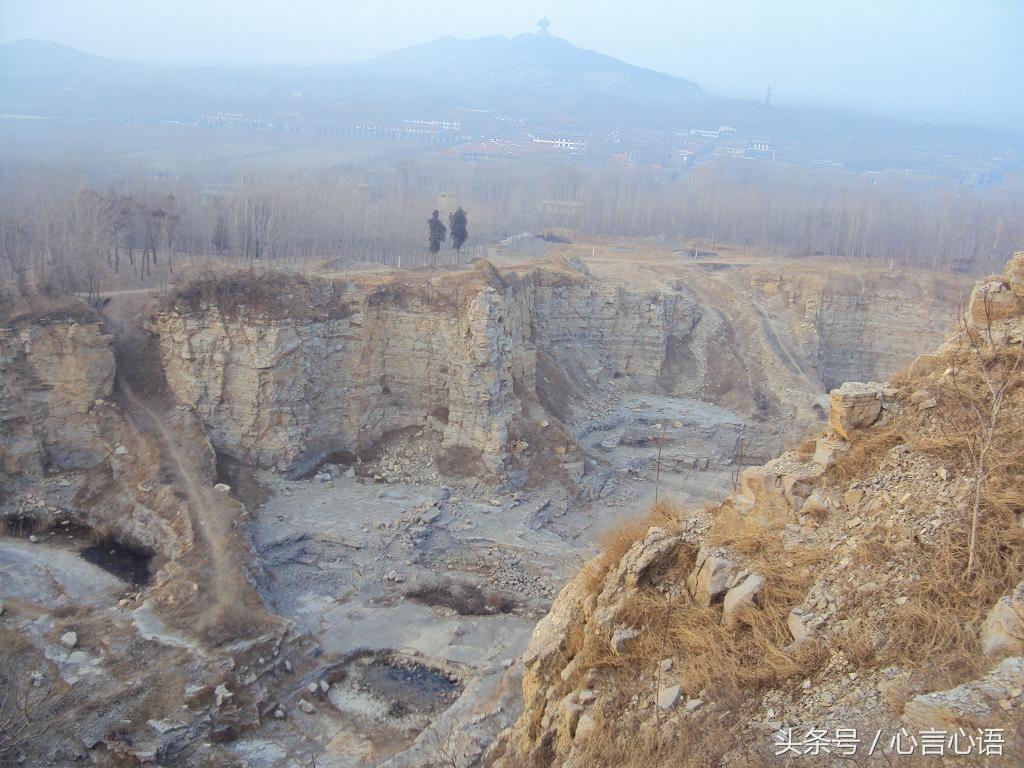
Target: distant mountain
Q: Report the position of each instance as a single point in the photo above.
(540, 78)
(532, 75)
(528, 60)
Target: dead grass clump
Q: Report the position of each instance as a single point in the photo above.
(272, 292)
(629, 741)
(616, 542)
(938, 627)
(859, 645)
(730, 660)
(866, 453)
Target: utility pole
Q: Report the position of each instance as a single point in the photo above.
(768, 97)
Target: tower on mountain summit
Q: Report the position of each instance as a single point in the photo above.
(543, 24)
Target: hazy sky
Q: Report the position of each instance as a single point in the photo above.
(934, 60)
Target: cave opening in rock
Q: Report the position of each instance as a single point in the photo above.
(126, 561)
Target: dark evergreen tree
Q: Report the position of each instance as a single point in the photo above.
(221, 236)
(438, 232)
(459, 229)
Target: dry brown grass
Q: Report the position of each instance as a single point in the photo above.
(729, 660)
(629, 741)
(263, 291)
(617, 541)
(938, 627)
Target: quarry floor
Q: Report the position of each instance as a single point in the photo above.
(425, 581)
(452, 576)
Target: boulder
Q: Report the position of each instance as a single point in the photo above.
(743, 595)
(622, 638)
(585, 727)
(828, 450)
(669, 697)
(1015, 273)
(798, 622)
(1003, 632)
(771, 494)
(974, 702)
(710, 577)
(854, 406)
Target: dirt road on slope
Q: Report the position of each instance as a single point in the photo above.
(225, 605)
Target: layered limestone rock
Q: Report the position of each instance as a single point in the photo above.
(287, 392)
(459, 357)
(52, 372)
(854, 406)
(996, 307)
(479, 359)
(859, 326)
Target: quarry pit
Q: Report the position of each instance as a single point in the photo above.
(388, 476)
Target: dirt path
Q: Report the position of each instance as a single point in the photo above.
(227, 602)
(206, 506)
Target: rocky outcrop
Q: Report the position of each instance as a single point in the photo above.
(479, 359)
(854, 406)
(1003, 631)
(52, 372)
(996, 307)
(872, 541)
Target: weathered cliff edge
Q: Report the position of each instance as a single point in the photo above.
(52, 372)
(58, 413)
(498, 367)
(829, 591)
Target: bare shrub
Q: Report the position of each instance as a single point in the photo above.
(33, 700)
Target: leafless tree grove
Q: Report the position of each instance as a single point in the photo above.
(63, 229)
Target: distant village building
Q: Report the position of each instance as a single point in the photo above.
(729, 151)
(760, 150)
(703, 133)
(562, 143)
(444, 125)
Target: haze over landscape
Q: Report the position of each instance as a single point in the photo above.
(922, 61)
(511, 385)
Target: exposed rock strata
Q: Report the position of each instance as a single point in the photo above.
(478, 358)
(52, 371)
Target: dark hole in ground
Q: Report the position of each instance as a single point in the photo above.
(409, 685)
(244, 485)
(464, 599)
(340, 457)
(128, 563)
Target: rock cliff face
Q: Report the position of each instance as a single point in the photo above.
(52, 370)
(479, 359)
(838, 565)
(287, 392)
(459, 356)
(860, 326)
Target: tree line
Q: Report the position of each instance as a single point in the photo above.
(64, 229)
